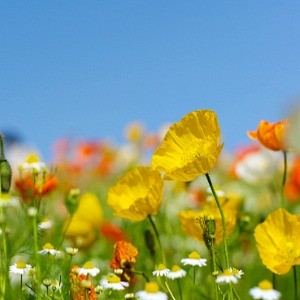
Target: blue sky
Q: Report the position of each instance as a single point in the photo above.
(85, 69)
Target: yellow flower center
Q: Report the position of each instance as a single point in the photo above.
(32, 158)
(88, 265)
(151, 287)
(175, 268)
(113, 278)
(160, 267)
(5, 197)
(48, 246)
(21, 265)
(228, 272)
(290, 251)
(265, 285)
(194, 255)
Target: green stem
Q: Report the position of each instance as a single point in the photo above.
(4, 246)
(224, 228)
(214, 265)
(36, 256)
(65, 231)
(295, 282)
(179, 289)
(235, 292)
(274, 280)
(21, 286)
(283, 177)
(223, 220)
(169, 290)
(158, 239)
(142, 274)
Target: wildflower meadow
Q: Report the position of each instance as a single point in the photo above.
(166, 215)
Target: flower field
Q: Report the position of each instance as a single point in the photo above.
(167, 215)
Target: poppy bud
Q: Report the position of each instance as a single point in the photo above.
(5, 169)
(72, 201)
(5, 173)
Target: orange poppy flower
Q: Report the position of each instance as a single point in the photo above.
(271, 135)
(30, 190)
(125, 257)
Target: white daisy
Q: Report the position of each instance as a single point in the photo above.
(151, 292)
(20, 268)
(229, 275)
(112, 281)
(33, 163)
(194, 259)
(45, 224)
(176, 272)
(161, 270)
(89, 269)
(71, 251)
(7, 199)
(264, 291)
(49, 249)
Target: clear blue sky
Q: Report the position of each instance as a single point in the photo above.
(87, 68)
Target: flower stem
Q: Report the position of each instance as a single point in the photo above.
(158, 239)
(21, 286)
(223, 220)
(179, 289)
(169, 290)
(4, 277)
(224, 229)
(283, 177)
(214, 267)
(142, 274)
(295, 282)
(36, 256)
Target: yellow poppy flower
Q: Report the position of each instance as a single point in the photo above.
(190, 147)
(278, 241)
(137, 194)
(190, 222)
(84, 226)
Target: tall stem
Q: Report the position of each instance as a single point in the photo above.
(4, 277)
(214, 267)
(223, 220)
(295, 282)
(36, 256)
(179, 289)
(158, 239)
(224, 229)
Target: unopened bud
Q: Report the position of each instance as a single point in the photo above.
(5, 173)
(72, 200)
